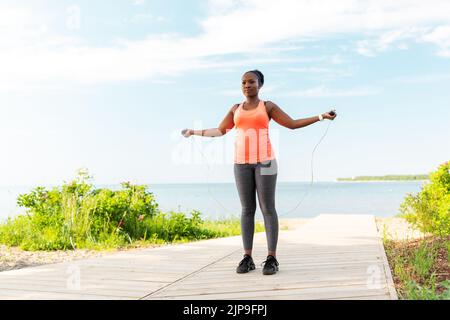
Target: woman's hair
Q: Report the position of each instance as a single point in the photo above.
(259, 75)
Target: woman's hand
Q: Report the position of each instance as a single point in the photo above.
(327, 115)
(186, 133)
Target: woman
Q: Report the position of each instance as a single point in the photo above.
(255, 165)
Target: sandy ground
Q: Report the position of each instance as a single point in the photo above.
(15, 258)
(292, 223)
(397, 229)
(393, 228)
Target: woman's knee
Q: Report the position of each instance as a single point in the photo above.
(268, 210)
(249, 211)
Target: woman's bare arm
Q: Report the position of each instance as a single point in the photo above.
(226, 125)
(282, 118)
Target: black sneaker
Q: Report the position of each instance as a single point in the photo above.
(246, 264)
(270, 265)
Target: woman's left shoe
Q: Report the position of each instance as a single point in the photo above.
(270, 265)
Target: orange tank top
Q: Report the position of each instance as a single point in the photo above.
(252, 142)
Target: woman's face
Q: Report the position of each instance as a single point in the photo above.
(250, 84)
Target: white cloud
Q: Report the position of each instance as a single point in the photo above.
(324, 92)
(147, 17)
(161, 19)
(33, 52)
(310, 70)
(421, 79)
(221, 6)
(324, 73)
(141, 17)
(139, 2)
(386, 40)
(440, 36)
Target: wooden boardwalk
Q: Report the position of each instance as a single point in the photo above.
(330, 257)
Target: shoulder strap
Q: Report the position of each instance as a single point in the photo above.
(269, 112)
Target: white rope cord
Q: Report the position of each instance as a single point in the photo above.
(287, 212)
(208, 184)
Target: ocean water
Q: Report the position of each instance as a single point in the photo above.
(292, 199)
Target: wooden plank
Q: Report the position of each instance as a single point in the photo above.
(118, 282)
(89, 278)
(299, 266)
(256, 281)
(120, 286)
(187, 291)
(273, 284)
(91, 290)
(388, 275)
(329, 292)
(64, 273)
(368, 297)
(27, 295)
(349, 268)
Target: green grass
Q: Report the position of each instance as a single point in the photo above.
(229, 227)
(415, 291)
(423, 260)
(421, 267)
(418, 269)
(163, 228)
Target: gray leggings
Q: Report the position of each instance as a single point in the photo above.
(260, 177)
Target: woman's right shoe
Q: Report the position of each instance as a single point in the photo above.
(246, 264)
(270, 265)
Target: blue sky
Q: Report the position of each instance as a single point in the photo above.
(108, 86)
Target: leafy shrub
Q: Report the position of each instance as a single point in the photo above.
(429, 210)
(77, 215)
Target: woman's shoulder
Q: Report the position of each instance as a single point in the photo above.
(269, 105)
(234, 107)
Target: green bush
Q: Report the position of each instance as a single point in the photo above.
(429, 210)
(14, 231)
(77, 215)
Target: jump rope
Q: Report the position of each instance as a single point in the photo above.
(304, 195)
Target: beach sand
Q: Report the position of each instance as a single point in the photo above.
(397, 229)
(292, 223)
(16, 258)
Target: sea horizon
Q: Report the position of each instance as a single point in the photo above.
(293, 199)
(212, 182)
